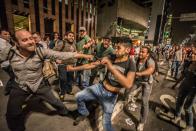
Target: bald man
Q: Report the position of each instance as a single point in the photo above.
(27, 67)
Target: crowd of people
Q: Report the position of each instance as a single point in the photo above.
(101, 68)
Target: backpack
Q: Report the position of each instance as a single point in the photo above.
(50, 71)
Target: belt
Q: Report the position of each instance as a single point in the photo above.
(110, 88)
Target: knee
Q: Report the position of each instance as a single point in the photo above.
(79, 96)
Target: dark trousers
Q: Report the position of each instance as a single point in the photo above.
(66, 79)
(186, 97)
(10, 82)
(15, 115)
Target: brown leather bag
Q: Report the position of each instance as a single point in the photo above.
(50, 70)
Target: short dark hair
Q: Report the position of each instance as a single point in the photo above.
(70, 32)
(146, 47)
(37, 33)
(4, 29)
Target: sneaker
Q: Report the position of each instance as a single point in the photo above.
(140, 127)
(79, 119)
(176, 119)
(134, 105)
(129, 121)
(189, 128)
(70, 93)
(62, 97)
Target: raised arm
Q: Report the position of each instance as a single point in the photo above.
(83, 67)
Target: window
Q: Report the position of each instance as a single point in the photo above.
(15, 2)
(66, 2)
(82, 18)
(26, 3)
(86, 6)
(66, 11)
(82, 4)
(68, 27)
(53, 7)
(90, 8)
(45, 6)
(72, 9)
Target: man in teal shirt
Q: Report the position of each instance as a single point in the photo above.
(83, 46)
(102, 49)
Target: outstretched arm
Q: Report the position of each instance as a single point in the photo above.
(83, 67)
(47, 53)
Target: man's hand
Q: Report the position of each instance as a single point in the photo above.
(59, 61)
(96, 63)
(89, 57)
(106, 61)
(86, 46)
(138, 74)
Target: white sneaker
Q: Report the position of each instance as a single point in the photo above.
(129, 121)
(134, 105)
(1, 83)
(140, 127)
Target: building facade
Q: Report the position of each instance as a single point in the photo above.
(123, 17)
(47, 16)
(183, 20)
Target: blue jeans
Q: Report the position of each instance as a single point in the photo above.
(104, 97)
(174, 68)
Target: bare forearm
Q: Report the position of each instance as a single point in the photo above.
(82, 67)
(146, 72)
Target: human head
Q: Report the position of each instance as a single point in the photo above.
(144, 52)
(70, 37)
(82, 31)
(37, 37)
(5, 34)
(122, 48)
(106, 42)
(25, 41)
(56, 35)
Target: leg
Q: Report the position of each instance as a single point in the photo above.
(14, 116)
(107, 121)
(70, 77)
(86, 78)
(146, 91)
(188, 107)
(62, 78)
(182, 94)
(85, 95)
(176, 69)
(108, 101)
(45, 93)
(172, 68)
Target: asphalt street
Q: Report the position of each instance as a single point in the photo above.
(41, 117)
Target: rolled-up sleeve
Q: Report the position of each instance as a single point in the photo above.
(47, 53)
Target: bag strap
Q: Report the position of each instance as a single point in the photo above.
(10, 54)
(63, 46)
(40, 53)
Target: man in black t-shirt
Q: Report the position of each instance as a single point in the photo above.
(120, 73)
